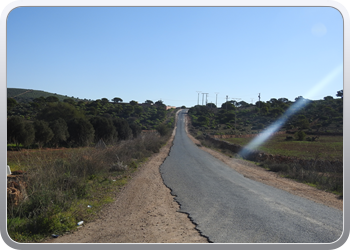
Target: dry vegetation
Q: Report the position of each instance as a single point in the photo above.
(60, 184)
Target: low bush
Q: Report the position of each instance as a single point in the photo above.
(325, 179)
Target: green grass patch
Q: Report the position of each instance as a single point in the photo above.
(326, 147)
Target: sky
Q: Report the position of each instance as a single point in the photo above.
(175, 54)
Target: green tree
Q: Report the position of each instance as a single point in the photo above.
(59, 110)
(136, 129)
(27, 135)
(43, 133)
(300, 135)
(162, 129)
(104, 101)
(211, 105)
(117, 100)
(60, 130)
(340, 93)
(52, 99)
(20, 131)
(123, 129)
(138, 110)
(81, 131)
(15, 125)
(133, 103)
(11, 103)
(104, 129)
(228, 106)
(328, 98)
(70, 101)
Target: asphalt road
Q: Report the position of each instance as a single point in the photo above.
(229, 208)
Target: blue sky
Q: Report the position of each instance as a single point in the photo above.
(168, 54)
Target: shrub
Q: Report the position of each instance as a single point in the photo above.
(300, 135)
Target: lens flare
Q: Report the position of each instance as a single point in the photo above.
(299, 104)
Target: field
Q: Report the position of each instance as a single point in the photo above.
(65, 186)
(326, 147)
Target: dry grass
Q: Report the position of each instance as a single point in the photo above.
(61, 183)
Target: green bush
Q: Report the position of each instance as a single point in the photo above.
(300, 135)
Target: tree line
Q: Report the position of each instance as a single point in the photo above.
(242, 118)
(53, 123)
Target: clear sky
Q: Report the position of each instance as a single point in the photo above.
(170, 53)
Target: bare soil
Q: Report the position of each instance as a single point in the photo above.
(144, 211)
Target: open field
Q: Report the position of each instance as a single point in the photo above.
(65, 186)
(326, 147)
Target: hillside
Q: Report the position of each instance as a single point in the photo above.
(28, 95)
(240, 118)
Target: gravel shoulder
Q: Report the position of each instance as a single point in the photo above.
(144, 211)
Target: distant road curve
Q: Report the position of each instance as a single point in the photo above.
(229, 208)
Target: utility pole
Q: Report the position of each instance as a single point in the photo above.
(226, 101)
(216, 102)
(198, 97)
(259, 99)
(206, 98)
(202, 98)
(236, 99)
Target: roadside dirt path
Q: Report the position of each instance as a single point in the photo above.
(145, 212)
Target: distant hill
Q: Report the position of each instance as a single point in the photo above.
(28, 95)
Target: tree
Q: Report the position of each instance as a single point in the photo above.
(27, 135)
(299, 98)
(133, 103)
(284, 100)
(81, 131)
(123, 129)
(340, 94)
(52, 99)
(70, 101)
(60, 130)
(117, 100)
(11, 103)
(300, 135)
(136, 129)
(243, 104)
(162, 129)
(328, 98)
(228, 106)
(149, 102)
(211, 105)
(40, 100)
(15, 125)
(20, 131)
(43, 133)
(59, 110)
(104, 129)
(104, 101)
(138, 110)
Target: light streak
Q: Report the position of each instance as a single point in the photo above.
(299, 104)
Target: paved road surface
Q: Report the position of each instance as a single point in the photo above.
(229, 208)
